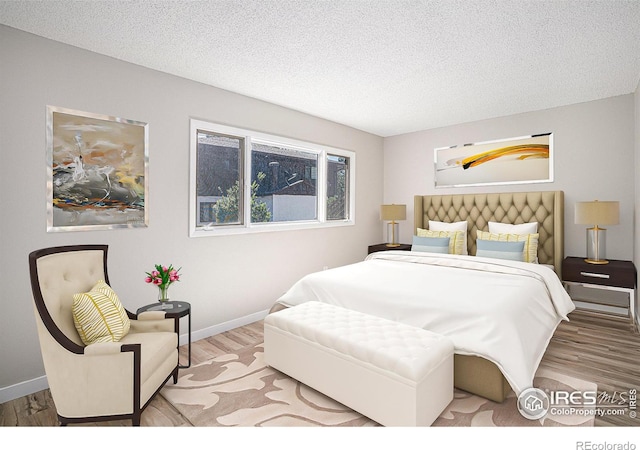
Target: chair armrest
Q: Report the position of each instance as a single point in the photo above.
(103, 348)
(148, 324)
(151, 315)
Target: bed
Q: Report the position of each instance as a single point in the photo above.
(500, 314)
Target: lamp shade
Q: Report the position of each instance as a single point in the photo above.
(597, 213)
(393, 212)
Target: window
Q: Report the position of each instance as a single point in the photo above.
(218, 179)
(289, 184)
(337, 187)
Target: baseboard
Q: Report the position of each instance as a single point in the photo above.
(21, 389)
(221, 328)
(38, 384)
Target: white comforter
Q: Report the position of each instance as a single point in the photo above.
(501, 310)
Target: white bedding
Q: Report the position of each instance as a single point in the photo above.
(503, 311)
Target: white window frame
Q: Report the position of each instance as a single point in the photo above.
(264, 138)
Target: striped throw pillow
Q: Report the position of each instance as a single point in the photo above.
(456, 239)
(430, 244)
(99, 316)
(530, 251)
(513, 251)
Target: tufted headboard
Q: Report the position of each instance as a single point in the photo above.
(547, 208)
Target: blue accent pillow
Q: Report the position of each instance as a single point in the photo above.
(500, 249)
(430, 244)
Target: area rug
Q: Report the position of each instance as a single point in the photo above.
(238, 389)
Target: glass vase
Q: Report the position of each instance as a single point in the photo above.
(163, 294)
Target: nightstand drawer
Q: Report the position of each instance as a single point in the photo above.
(616, 273)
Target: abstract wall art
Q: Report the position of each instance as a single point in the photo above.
(525, 159)
(96, 171)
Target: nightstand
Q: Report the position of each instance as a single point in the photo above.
(383, 247)
(601, 287)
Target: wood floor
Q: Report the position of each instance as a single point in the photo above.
(598, 348)
(602, 349)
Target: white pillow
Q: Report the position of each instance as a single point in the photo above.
(507, 228)
(455, 226)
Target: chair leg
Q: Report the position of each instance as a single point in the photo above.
(135, 420)
(175, 375)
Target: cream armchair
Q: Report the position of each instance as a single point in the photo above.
(101, 381)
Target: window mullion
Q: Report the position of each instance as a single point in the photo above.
(322, 187)
(246, 191)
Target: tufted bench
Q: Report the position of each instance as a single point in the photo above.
(393, 373)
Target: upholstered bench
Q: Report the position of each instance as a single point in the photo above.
(393, 373)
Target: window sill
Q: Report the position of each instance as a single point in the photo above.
(266, 228)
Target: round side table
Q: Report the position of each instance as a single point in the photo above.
(173, 310)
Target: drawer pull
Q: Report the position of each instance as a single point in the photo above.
(594, 275)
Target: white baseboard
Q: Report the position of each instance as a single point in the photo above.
(38, 384)
(221, 328)
(623, 312)
(21, 389)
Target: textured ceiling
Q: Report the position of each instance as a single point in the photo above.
(384, 66)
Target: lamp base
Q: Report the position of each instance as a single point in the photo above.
(596, 261)
(596, 245)
(393, 229)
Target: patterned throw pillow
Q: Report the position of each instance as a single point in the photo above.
(435, 225)
(530, 251)
(502, 250)
(430, 244)
(99, 316)
(456, 239)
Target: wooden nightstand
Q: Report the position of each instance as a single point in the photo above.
(383, 247)
(615, 282)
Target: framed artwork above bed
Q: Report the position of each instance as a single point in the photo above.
(524, 159)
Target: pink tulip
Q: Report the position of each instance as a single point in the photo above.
(155, 273)
(157, 281)
(148, 280)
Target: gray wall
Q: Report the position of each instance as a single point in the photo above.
(228, 280)
(594, 154)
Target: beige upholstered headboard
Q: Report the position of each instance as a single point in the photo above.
(547, 208)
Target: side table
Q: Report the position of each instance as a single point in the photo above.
(383, 248)
(617, 279)
(173, 310)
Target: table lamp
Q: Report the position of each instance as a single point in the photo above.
(597, 213)
(393, 213)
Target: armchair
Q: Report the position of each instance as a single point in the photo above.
(105, 380)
